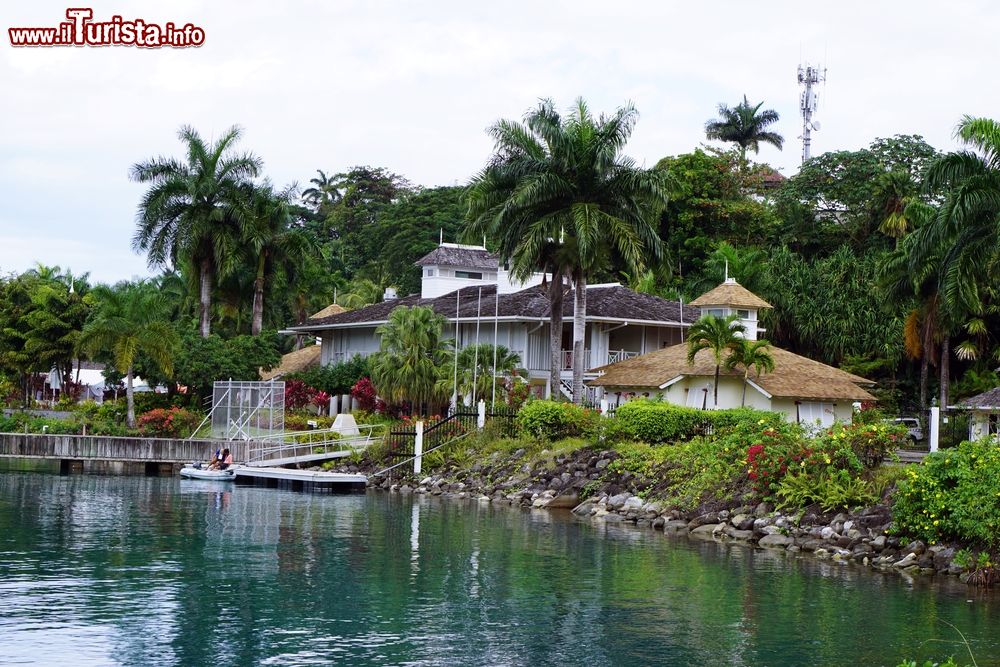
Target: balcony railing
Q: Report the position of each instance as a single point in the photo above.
(614, 356)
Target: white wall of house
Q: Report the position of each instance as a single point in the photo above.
(982, 423)
(696, 391)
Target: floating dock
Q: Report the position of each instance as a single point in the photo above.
(301, 480)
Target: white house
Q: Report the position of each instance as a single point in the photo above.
(803, 390)
(984, 419)
(481, 303)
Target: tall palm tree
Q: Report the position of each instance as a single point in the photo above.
(323, 193)
(746, 126)
(130, 319)
(411, 350)
(717, 334)
(968, 221)
(747, 354)
(558, 195)
(272, 241)
(189, 212)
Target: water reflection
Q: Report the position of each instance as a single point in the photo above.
(159, 571)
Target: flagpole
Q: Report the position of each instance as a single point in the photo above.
(475, 362)
(454, 393)
(496, 327)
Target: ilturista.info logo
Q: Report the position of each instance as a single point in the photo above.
(82, 30)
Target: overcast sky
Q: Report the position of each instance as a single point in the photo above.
(411, 86)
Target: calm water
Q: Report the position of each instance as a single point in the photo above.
(153, 571)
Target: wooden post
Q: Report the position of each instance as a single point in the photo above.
(481, 417)
(604, 407)
(418, 447)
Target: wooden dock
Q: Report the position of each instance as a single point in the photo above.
(301, 480)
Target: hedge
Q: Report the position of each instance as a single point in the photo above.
(656, 421)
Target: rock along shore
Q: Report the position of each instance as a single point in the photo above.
(582, 482)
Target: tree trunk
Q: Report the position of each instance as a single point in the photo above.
(555, 334)
(945, 371)
(746, 379)
(715, 389)
(205, 296)
(129, 399)
(258, 299)
(579, 337)
(924, 363)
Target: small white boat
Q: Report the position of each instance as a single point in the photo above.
(226, 475)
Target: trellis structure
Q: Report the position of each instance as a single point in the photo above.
(246, 410)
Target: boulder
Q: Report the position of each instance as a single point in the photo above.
(674, 525)
(775, 541)
(617, 501)
(703, 519)
(705, 530)
(584, 508)
(943, 558)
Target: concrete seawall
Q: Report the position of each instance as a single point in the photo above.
(105, 454)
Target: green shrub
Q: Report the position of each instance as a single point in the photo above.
(831, 490)
(9, 424)
(656, 421)
(953, 494)
(552, 420)
(335, 379)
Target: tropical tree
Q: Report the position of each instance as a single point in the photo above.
(747, 354)
(273, 241)
(968, 221)
(477, 368)
(894, 192)
(130, 319)
(746, 126)
(411, 350)
(559, 196)
(717, 334)
(323, 192)
(189, 212)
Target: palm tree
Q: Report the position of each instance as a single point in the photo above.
(894, 192)
(405, 369)
(717, 334)
(476, 370)
(189, 212)
(968, 222)
(273, 242)
(746, 126)
(559, 196)
(323, 193)
(130, 319)
(749, 354)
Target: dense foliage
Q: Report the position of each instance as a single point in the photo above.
(554, 420)
(955, 494)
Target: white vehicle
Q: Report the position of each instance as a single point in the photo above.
(913, 430)
(193, 472)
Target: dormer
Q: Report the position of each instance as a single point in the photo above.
(731, 298)
(452, 266)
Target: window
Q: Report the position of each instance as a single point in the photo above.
(471, 275)
(716, 312)
(815, 415)
(743, 314)
(429, 273)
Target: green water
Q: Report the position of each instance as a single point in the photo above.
(154, 571)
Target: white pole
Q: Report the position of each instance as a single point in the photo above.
(454, 393)
(496, 327)
(481, 417)
(475, 361)
(935, 427)
(418, 447)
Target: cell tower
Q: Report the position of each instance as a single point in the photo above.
(809, 76)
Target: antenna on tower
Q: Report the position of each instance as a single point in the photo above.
(809, 76)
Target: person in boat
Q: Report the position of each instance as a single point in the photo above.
(227, 459)
(213, 463)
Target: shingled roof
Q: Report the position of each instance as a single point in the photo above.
(988, 400)
(612, 302)
(794, 376)
(730, 293)
(450, 254)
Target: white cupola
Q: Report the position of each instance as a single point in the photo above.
(731, 298)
